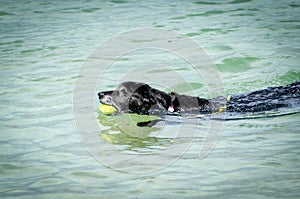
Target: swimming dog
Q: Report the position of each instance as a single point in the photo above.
(140, 98)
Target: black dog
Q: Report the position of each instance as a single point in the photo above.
(140, 98)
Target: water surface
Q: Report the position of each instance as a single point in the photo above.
(43, 44)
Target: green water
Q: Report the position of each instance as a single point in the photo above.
(43, 44)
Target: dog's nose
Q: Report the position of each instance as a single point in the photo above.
(100, 95)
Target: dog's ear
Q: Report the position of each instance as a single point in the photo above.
(160, 98)
(141, 100)
(153, 96)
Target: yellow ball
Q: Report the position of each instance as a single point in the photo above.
(107, 109)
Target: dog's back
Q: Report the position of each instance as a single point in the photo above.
(266, 99)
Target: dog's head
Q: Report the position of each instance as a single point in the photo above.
(135, 97)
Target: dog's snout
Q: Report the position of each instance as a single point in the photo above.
(105, 97)
(104, 94)
(100, 95)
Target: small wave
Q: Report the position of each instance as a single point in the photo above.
(239, 1)
(5, 13)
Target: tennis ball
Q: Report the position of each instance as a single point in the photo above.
(107, 109)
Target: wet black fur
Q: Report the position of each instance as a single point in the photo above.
(140, 98)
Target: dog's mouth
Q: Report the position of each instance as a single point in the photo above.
(108, 102)
(107, 107)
